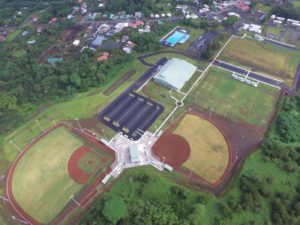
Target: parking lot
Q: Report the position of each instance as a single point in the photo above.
(131, 114)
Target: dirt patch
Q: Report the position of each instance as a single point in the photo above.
(172, 149)
(89, 123)
(77, 173)
(119, 82)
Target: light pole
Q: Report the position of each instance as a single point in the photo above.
(38, 123)
(78, 124)
(197, 93)
(16, 147)
(210, 112)
(103, 132)
(74, 200)
(21, 221)
(4, 199)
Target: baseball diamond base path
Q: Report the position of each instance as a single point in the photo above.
(76, 172)
(210, 153)
(84, 197)
(172, 149)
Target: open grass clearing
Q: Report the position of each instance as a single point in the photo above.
(263, 58)
(234, 99)
(43, 171)
(209, 151)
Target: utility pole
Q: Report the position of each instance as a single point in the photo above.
(210, 112)
(16, 147)
(38, 123)
(21, 221)
(78, 124)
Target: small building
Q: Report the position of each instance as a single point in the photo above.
(103, 57)
(76, 42)
(98, 41)
(134, 154)
(124, 38)
(106, 179)
(175, 73)
(138, 14)
(31, 42)
(127, 50)
(277, 22)
(54, 59)
(53, 20)
(280, 18)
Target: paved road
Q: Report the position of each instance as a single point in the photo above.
(281, 44)
(253, 75)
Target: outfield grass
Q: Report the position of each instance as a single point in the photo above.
(41, 183)
(209, 151)
(234, 99)
(272, 30)
(264, 58)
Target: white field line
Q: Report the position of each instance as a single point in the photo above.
(248, 78)
(168, 34)
(263, 75)
(206, 69)
(163, 123)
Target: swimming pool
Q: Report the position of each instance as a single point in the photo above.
(176, 37)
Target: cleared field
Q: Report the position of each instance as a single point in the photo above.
(264, 58)
(234, 99)
(41, 184)
(209, 151)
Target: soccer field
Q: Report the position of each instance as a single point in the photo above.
(41, 183)
(209, 151)
(234, 99)
(263, 58)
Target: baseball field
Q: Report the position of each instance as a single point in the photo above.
(233, 99)
(262, 57)
(54, 168)
(209, 150)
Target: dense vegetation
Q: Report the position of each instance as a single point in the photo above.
(287, 10)
(13, 12)
(267, 190)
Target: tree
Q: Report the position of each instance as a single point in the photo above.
(230, 21)
(114, 209)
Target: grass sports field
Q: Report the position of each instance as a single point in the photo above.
(264, 58)
(234, 99)
(209, 151)
(41, 183)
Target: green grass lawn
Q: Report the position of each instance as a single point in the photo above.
(264, 58)
(272, 30)
(234, 99)
(296, 3)
(262, 7)
(43, 171)
(162, 95)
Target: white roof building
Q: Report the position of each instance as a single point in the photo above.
(175, 73)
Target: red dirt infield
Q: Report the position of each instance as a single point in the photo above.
(77, 173)
(84, 197)
(172, 149)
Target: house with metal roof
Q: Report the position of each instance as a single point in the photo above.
(175, 73)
